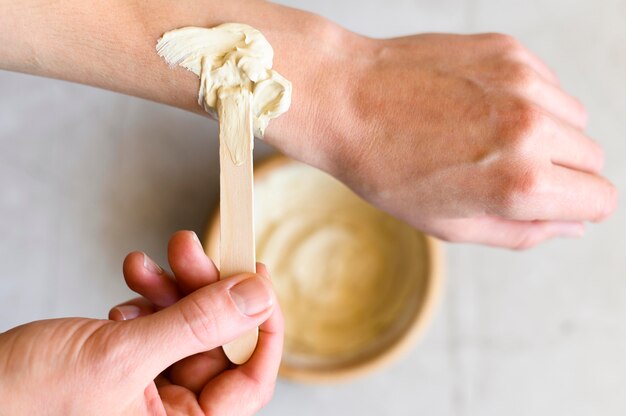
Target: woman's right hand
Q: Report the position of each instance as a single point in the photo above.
(469, 138)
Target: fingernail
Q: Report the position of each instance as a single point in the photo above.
(264, 271)
(196, 239)
(128, 312)
(150, 265)
(251, 296)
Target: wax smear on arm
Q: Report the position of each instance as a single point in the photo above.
(230, 58)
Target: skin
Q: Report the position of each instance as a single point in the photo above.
(158, 354)
(471, 139)
(467, 137)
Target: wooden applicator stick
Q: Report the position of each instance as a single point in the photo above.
(237, 254)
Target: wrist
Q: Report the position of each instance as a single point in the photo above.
(323, 62)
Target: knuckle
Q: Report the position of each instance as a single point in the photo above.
(518, 75)
(529, 117)
(514, 187)
(201, 321)
(524, 183)
(519, 125)
(503, 41)
(109, 347)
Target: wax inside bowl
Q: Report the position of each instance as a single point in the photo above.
(350, 278)
(354, 283)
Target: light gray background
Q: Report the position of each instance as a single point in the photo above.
(87, 175)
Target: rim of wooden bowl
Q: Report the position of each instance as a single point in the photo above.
(392, 351)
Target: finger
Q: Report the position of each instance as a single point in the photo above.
(196, 371)
(561, 194)
(580, 196)
(516, 51)
(192, 268)
(178, 400)
(208, 318)
(505, 46)
(571, 148)
(252, 383)
(265, 361)
(145, 277)
(555, 101)
(131, 309)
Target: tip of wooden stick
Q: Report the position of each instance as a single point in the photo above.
(241, 349)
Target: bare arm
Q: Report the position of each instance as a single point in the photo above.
(469, 138)
(111, 44)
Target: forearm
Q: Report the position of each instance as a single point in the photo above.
(111, 45)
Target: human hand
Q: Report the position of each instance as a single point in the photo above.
(162, 355)
(468, 138)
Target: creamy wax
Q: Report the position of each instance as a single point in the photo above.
(230, 59)
(348, 276)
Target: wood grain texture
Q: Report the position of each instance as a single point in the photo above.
(237, 211)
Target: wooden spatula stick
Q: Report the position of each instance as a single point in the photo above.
(236, 207)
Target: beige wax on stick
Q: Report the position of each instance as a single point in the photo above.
(238, 85)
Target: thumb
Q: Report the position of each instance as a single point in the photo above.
(208, 318)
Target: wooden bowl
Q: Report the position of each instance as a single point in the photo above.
(326, 342)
